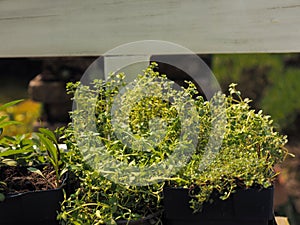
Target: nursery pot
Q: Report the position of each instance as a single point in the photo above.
(245, 207)
(32, 207)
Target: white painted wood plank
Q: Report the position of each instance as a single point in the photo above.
(92, 27)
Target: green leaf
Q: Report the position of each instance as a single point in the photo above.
(37, 171)
(3, 118)
(111, 221)
(76, 223)
(2, 107)
(15, 152)
(98, 214)
(9, 162)
(64, 170)
(51, 148)
(8, 123)
(11, 138)
(2, 197)
(49, 134)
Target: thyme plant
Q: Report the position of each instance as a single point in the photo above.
(245, 159)
(250, 149)
(151, 137)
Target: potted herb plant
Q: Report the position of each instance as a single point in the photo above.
(236, 186)
(31, 177)
(128, 118)
(125, 132)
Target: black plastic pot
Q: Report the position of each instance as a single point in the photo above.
(245, 207)
(32, 207)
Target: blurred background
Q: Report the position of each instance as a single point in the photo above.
(272, 81)
(15, 75)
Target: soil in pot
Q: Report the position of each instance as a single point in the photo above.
(20, 179)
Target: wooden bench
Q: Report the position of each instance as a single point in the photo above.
(73, 28)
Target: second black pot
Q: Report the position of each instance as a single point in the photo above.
(245, 207)
(34, 208)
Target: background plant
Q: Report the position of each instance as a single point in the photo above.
(15, 146)
(25, 112)
(30, 149)
(271, 80)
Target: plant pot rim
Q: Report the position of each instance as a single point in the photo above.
(30, 192)
(237, 189)
(63, 183)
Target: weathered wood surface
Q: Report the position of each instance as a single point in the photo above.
(92, 27)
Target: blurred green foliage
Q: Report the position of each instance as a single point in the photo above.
(25, 112)
(282, 99)
(271, 80)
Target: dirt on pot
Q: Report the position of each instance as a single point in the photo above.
(20, 179)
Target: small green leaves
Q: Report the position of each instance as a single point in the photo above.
(48, 140)
(49, 134)
(249, 150)
(4, 122)
(37, 171)
(98, 214)
(9, 162)
(50, 147)
(5, 106)
(15, 152)
(111, 221)
(2, 197)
